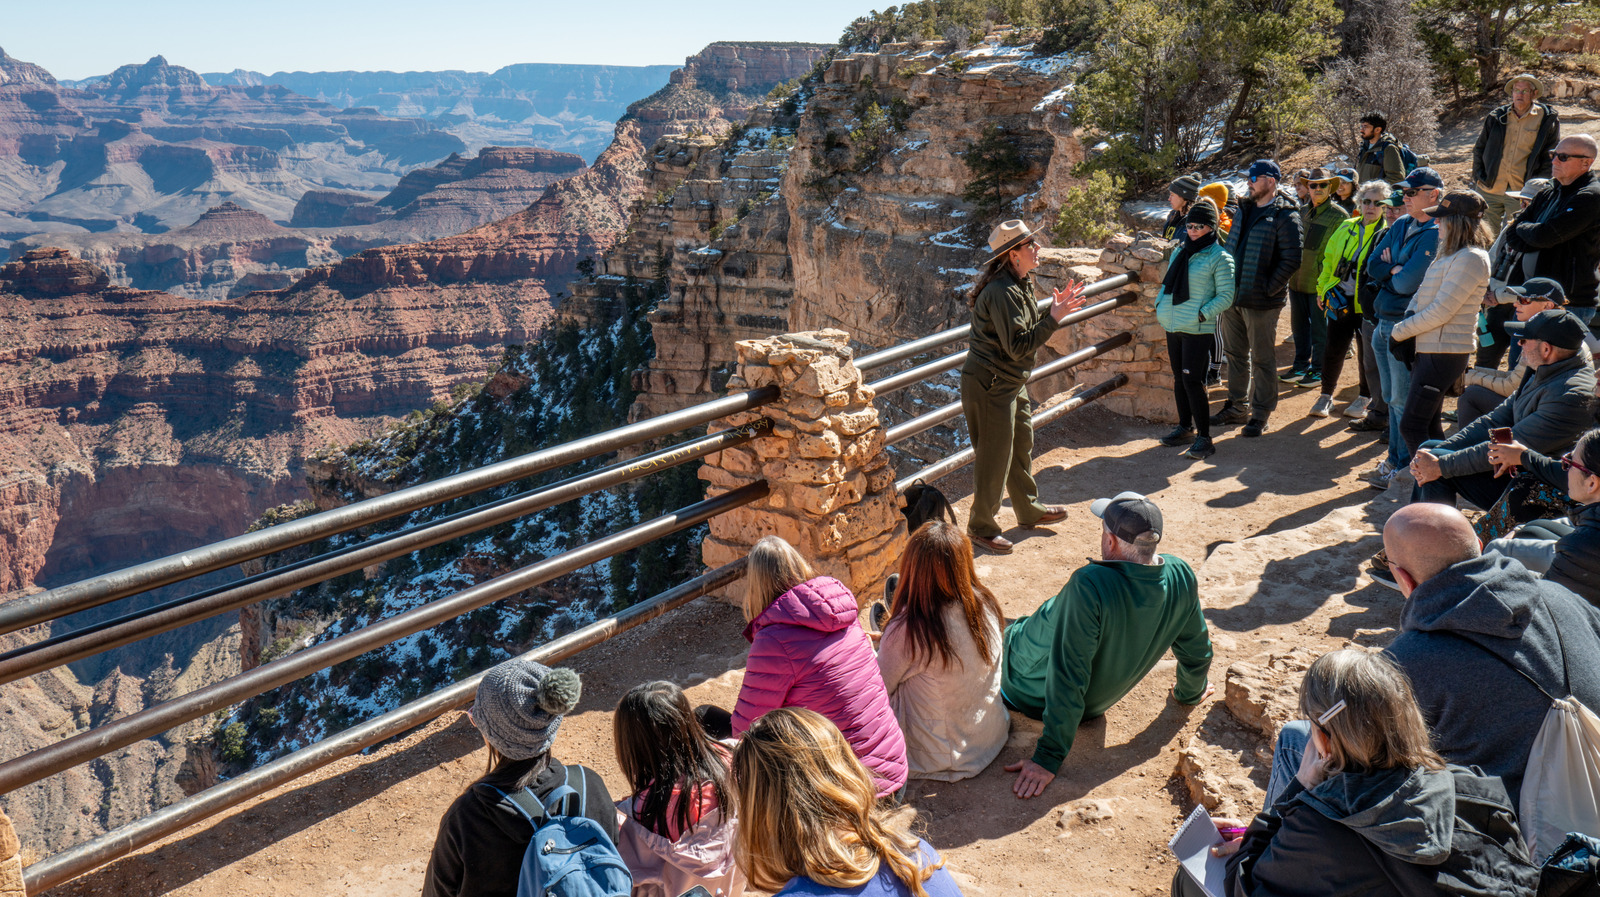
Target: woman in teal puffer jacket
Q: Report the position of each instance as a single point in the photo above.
(1198, 286)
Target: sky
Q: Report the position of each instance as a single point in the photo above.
(76, 39)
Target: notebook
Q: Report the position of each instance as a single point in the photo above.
(1192, 846)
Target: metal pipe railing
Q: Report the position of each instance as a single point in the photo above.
(39, 656)
(933, 341)
(69, 752)
(921, 422)
(93, 592)
(120, 842)
(1043, 418)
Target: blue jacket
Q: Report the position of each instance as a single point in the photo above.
(1210, 292)
(1412, 246)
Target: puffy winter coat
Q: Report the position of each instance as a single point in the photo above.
(1577, 561)
(1505, 382)
(807, 649)
(1547, 412)
(1446, 305)
(1210, 293)
(1265, 244)
(661, 867)
(1387, 833)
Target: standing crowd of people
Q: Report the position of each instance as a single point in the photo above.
(1396, 780)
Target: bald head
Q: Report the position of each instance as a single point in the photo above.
(1579, 143)
(1424, 538)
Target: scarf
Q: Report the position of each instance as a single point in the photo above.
(1176, 282)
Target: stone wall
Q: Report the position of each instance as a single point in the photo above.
(833, 495)
(10, 860)
(1149, 390)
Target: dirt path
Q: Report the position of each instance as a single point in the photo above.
(1276, 526)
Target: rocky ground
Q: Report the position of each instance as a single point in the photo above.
(1276, 527)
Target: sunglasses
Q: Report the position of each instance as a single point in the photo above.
(1372, 202)
(1567, 157)
(1195, 227)
(1567, 463)
(1413, 191)
(1529, 300)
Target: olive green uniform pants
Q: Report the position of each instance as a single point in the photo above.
(999, 421)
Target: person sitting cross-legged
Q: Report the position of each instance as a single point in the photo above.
(1082, 650)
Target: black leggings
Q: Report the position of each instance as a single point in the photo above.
(1341, 333)
(1431, 375)
(1190, 354)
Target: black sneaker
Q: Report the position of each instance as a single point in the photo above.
(1178, 436)
(1201, 449)
(1370, 424)
(1214, 378)
(1229, 415)
(1253, 429)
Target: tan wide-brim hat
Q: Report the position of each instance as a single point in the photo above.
(1009, 235)
(1538, 86)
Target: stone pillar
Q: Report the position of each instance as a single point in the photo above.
(832, 492)
(10, 860)
(1149, 390)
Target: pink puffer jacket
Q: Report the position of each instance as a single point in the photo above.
(808, 650)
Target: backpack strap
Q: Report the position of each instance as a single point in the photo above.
(537, 811)
(527, 803)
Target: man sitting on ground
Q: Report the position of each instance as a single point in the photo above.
(1085, 648)
(1474, 629)
(1547, 412)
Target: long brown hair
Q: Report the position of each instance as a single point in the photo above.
(935, 571)
(661, 746)
(1457, 232)
(1380, 727)
(807, 807)
(991, 271)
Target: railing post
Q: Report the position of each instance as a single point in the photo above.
(832, 492)
(1149, 390)
(10, 860)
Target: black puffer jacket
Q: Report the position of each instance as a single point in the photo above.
(1577, 561)
(1266, 244)
(1562, 225)
(1389, 833)
(1492, 141)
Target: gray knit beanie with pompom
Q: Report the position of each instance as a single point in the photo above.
(520, 704)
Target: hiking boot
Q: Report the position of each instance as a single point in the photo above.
(1229, 415)
(1178, 436)
(1358, 408)
(878, 616)
(992, 544)
(1292, 375)
(1201, 449)
(1311, 378)
(1371, 423)
(1253, 429)
(1323, 407)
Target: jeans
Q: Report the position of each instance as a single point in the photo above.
(1292, 740)
(1431, 375)
(1340, 334)
(1190, 354)
(1250, 336)
(1585, 315)
(1309, 324)
(1370, 384)
(1395, 378)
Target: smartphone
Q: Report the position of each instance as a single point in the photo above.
(696, 891)
(1501, 436)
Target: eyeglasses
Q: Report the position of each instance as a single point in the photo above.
(1567, 157)
(1372, 202)
(1567, 463)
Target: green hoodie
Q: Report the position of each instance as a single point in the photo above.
(1085, 648)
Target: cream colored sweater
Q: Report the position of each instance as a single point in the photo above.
(1444, 309)
(953, 719)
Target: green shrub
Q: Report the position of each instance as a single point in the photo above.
(960, 64)
(996, 163)
(1089, 212)
(872, 137)
(230, 740)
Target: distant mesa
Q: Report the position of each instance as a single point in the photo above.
(51, 272)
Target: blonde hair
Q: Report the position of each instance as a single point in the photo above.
(1380, 727)
(807, 807)
(774, 567)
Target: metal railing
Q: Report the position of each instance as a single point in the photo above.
(123, 630)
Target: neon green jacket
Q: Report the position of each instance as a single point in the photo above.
(1345, 244)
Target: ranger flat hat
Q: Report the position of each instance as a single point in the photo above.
(1009, 235)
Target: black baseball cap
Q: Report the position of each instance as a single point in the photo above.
(1540, 288)
(1129, 516)
(1556, 326)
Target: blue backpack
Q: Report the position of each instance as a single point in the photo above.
(570, 854)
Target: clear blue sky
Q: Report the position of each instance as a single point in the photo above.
(75, 39)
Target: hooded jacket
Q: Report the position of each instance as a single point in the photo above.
(1405, 832)
(1547, 412)
(1411, 246)
(807, 649)
(1562, 225)
(1492, 142)
(1464, 635)
(1266, 244)
(1577, 561)
(661, 867)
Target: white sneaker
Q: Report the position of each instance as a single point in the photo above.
(1357, 409)
(1323, 407)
